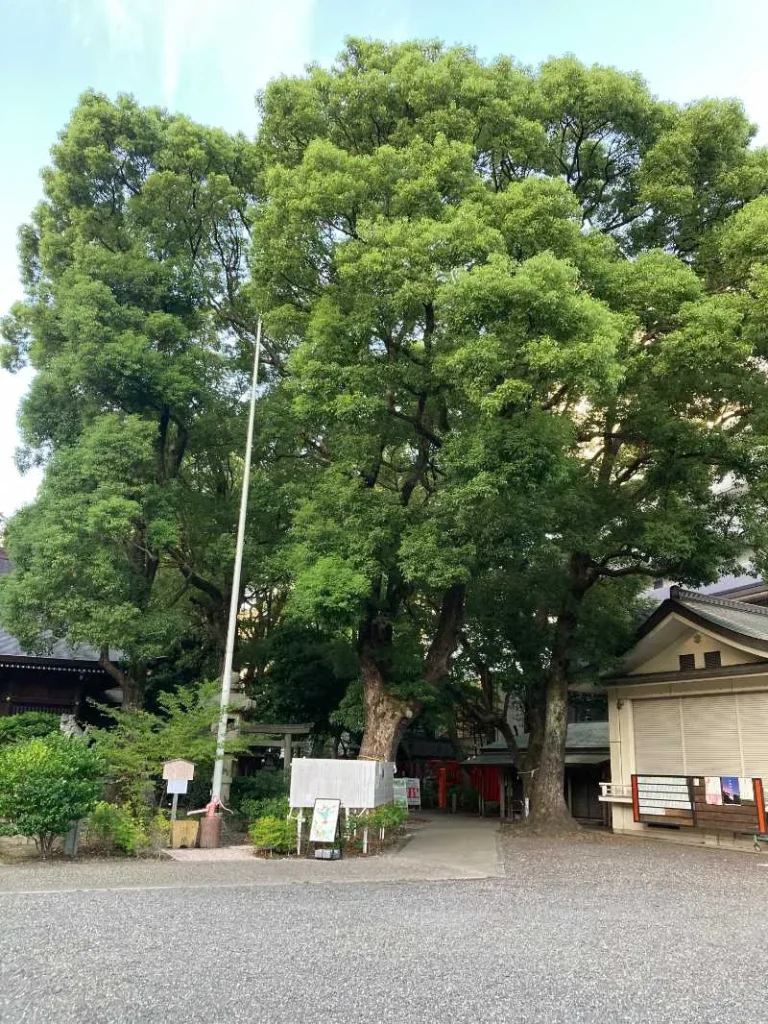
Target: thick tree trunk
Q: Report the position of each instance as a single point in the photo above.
(548, 806)
(386, 715)
(386, 718)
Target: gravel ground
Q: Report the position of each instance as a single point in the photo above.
(575, 932)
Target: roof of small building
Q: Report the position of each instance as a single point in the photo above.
(749, 620)
(585, 743)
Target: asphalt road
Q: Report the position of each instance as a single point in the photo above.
(573, 934)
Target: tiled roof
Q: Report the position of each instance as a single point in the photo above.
(580, 737)
(55, 650)
(750, 620)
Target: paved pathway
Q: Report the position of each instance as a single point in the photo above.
(441, 848)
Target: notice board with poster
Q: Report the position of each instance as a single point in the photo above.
(729, 804)
(663, 799)
(413, 792)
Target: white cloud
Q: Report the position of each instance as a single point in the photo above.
(247, 42)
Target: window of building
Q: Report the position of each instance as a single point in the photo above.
(687, 662)
(712, 659)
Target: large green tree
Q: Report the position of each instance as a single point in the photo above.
(492, 286)
(136, 323)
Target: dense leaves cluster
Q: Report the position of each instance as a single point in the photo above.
(516, 330)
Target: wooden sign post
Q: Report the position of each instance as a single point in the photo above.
(177, 774)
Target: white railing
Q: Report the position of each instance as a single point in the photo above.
(615, 792)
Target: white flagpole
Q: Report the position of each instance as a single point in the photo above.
(234, 604)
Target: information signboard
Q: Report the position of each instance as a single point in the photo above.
(662, 796)
(400, 792)
(325, 819)
(178, 769)
(413, 792)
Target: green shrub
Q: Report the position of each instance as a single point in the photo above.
(264, 785)
(46, 784)
(274, 807)
(137, 743)
(388, 817)
(116, 825)
(273, 834)
(26, 726)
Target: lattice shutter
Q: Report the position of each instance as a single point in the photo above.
(711, 735)
(753, 718)
(658, 737)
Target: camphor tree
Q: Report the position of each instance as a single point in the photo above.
(136, 324)
(490, 282)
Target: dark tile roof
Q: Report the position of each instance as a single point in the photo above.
(750, 620)
(585, 743)
(54, 650)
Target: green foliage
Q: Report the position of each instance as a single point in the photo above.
(26, 726)
(121, 828)
(302, 674)
(267, 807)
(274, 834)
(46, 784)
(514, 321)
(388, 817)
(137, 743)
(135, 406)
(117, 825)
(262, 786)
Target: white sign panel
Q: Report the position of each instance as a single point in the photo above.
(658, 794)
(325, 817)
(178, 786)
(358, 784)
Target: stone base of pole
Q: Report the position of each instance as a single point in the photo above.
(210, 832)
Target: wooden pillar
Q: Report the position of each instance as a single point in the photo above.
(502, 794)
(288, 753)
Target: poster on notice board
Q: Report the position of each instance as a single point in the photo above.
(713, 792)
(731, 790)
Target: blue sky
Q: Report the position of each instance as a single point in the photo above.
(207, 58)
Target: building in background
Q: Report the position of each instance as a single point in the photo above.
(688, 718)
(58, 679)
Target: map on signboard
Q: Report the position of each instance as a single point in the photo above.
(325, 817)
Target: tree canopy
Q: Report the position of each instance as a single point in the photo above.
(515, 332)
